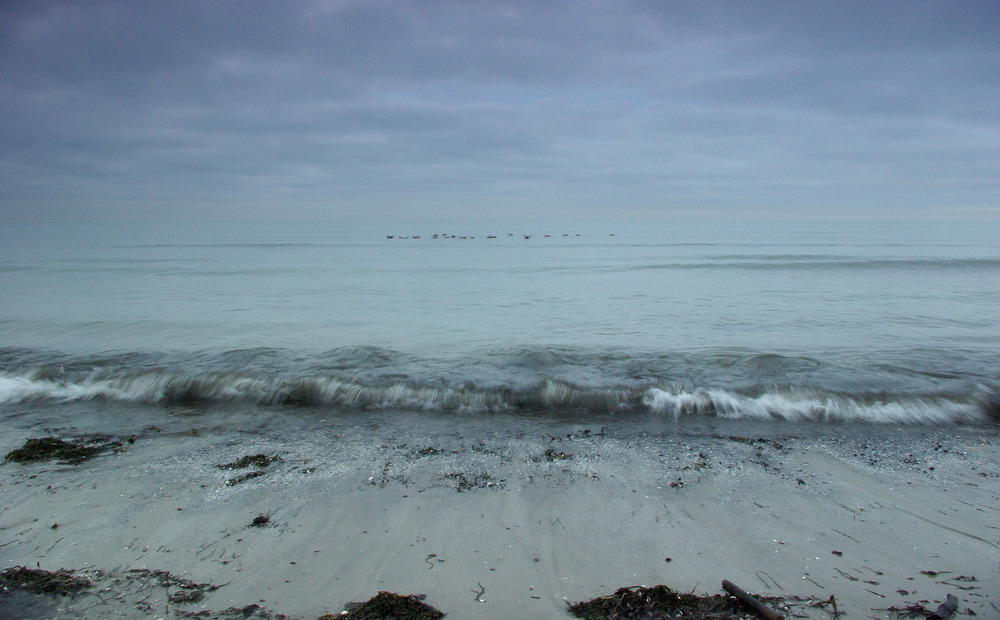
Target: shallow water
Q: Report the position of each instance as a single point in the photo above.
(817, 322)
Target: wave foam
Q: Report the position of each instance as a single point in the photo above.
(805, 406)
(794, 405)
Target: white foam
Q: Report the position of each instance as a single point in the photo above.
(788, 404)
(18, 389)
(806, 406)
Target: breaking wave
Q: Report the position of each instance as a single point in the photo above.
(547, 395)
(796, 406)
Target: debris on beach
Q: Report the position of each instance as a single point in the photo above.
(427, 451)
(258, 461)
(916, 610)
(750, 602)
(830, 602)
(244, 477)
(553, 455)
(461, 482)
(185, 591)
(114, 592)
(249, 612)
(389, 606)
(38, 581)
(70, 452)
(661, 601)
(251, 460)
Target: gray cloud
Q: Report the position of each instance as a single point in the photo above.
(347, 108)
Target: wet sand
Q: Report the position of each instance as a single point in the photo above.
(512, 525)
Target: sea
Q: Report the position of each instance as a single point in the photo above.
(262, 325)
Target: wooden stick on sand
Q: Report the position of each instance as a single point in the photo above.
(759, 608)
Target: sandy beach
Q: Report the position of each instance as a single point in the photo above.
(499, 307)
(879, 518)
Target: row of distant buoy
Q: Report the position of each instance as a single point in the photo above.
(448, 236)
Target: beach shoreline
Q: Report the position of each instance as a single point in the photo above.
(516, 523)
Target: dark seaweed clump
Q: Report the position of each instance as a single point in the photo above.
(250, 612)
(658, 602)
(259, 461)
(260, 521)
(390, 606)
(73, 451)
(251, 460)
(39, 581)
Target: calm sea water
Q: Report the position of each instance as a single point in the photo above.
(827, 322)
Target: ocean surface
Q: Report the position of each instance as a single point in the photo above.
(256, 324)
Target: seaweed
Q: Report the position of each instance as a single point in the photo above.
(660, 601)
(249, 612)
(243, 478)
(39, 581)
(760, 440)
(390, 606)
(552, 456)
(186, 591)
(251, 460)
(916, 610)
(71, 452)
(428, 451)
(479, 481)
(259, 461)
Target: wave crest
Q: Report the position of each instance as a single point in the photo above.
(812, 406)
(546, 396)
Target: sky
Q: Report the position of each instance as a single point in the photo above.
(336, 109)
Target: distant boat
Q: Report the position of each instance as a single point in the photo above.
(388, 236)
(527, 236)
(491, 236)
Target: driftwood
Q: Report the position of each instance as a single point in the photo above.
(750, 602)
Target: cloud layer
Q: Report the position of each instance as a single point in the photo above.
(348, 108)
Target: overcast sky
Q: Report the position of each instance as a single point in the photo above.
(165, 109)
